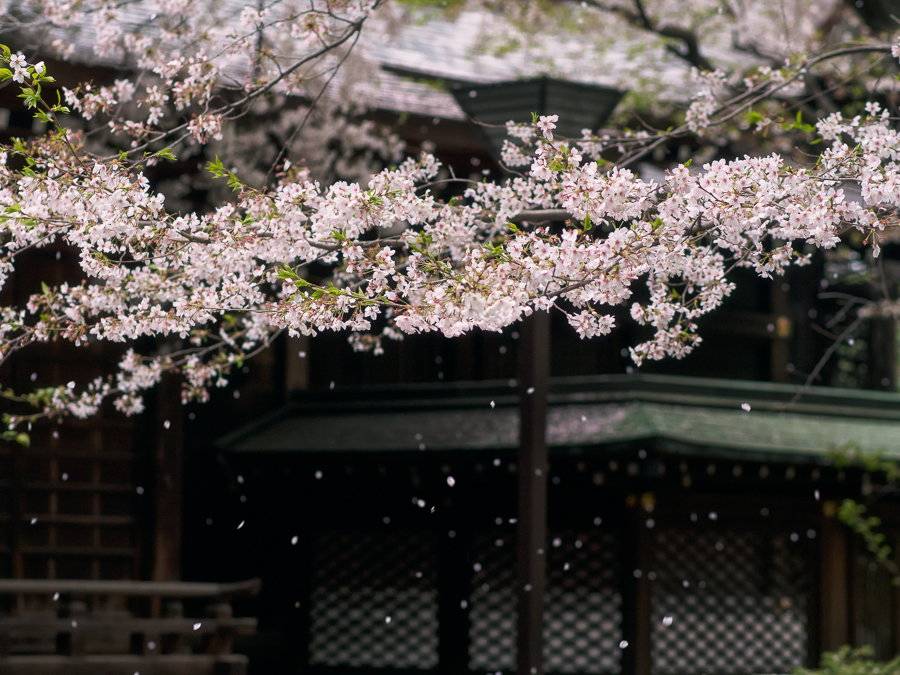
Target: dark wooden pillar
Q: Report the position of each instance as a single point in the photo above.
(296, 364)
(454, 593)
(17, 504)
(167, 477)
(835, 572)
(780, 330)
(806, 345)
(895, 605)
(534, 376)
(637, 562)
(883, 354)
(300, 614)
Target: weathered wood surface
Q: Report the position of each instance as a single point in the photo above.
(106, 627)
(163, 589)
(190, 664)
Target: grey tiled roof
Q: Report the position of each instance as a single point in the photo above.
(439, 48)
(455, 50)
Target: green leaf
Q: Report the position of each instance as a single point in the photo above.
(19, 437)
(374, 199)
(753, 117)
(216, 168)
(234, 182)
(30, 96)
(556, 165)
(799, 125)
(285, 272)
(165, 153)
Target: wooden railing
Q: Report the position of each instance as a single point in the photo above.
(56, 627)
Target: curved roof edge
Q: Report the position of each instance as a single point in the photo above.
(783, 421)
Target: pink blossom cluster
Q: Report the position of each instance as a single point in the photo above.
(568, 230)
(226, 282)
(186, 53)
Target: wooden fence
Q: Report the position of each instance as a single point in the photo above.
(72, 627)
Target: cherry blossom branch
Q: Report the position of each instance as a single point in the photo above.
(385, 256)
(638, 17)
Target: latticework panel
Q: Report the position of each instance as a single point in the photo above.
(730, 601)
(492, 617)
(583, 610)
(583, 620)
(374, 600)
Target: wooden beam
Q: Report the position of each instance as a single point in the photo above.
(184, 664)
(534, 376)
(133, 589)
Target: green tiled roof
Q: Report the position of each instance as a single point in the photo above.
(735, 432)
(691, 415)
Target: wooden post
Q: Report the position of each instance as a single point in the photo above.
(835, 625)
(895, 606)
(296, 367)
(221, 641)
(636, 610)
(19, 467)
(167, 489)
(883, 354)
(642, 645)
(534, 376)
(454, 592)
(77, 613)
(300, 614)
(173, 643)
(780, 329)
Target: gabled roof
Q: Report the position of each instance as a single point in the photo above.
(689, 415)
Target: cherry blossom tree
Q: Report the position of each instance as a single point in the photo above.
(572, 227)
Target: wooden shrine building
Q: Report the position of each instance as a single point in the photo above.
(692, 527)
(363, 510)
